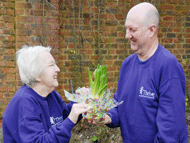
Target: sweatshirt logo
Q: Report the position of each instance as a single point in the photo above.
(145, 93)
(55, 121)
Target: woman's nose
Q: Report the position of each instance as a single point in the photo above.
(57, 68)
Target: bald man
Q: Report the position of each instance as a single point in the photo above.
(151, 84)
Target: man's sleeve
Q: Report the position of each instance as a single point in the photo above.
(113, 113)
(171, 120)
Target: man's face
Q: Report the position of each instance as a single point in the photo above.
(48, 77)
(136, 33)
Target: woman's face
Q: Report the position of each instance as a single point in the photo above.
(48, 77)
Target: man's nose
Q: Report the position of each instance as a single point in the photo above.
(128, 35)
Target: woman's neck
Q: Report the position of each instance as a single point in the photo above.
(42, 90)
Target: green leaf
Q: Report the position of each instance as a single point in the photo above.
(94, 138)
(99, 85)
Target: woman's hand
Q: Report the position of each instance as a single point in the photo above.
(77, 109)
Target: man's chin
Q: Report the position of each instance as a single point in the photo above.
(134, 48)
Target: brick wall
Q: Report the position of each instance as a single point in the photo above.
(81, 42)
(7, 56)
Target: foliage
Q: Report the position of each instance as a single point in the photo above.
(94, 138)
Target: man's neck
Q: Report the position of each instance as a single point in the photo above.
(145, 56)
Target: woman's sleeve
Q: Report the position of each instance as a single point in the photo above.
(33, 130)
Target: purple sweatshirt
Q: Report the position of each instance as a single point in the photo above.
(31, 118)
(153, 92)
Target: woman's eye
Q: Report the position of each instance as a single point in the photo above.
(52, 65)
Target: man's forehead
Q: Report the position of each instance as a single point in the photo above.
(132, 23)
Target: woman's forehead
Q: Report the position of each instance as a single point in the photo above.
(46, 57)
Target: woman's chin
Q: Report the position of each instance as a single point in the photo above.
(56, 84)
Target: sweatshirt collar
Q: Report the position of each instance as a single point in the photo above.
(147, 62)
(35, 94)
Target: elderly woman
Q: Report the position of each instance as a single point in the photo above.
(37, 113)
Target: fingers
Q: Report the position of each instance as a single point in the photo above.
(78, 109)
(81, 108)
(102, 121)
(82, 91)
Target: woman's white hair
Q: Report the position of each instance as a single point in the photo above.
(30, 64)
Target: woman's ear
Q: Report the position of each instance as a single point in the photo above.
(37, 78)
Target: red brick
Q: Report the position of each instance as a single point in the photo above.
(53, 20)
(24, 32)
(38, 13)
(10, 64)
(3, 88)
(8, 44)
(20, 25)
(55, 26)
(1, 95)
(187, 40)
(168, 18)
(10, 38)
(20, 44)
(11, 89)
(10, 12)
(53, 13)
(23, 5)
(7, 18)
(2, 11)
(2, 38)
(8, 5)
(0, 123)
(3, 63)
(20, 12)
(11, 51)
(24, 19)
(10, 0)
(10, 25)
(9, 70)
(2, 31)
(54, 1)
(2, 25)
(11, 77)
(168, 7)
(20, 38)
(172, 1)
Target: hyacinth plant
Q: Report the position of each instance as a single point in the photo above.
(97, 96)
(99, 85)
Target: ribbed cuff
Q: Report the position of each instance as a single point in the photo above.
(68, 124)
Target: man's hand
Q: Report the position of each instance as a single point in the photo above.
(105, 120)
(83, 91)
(77, 109)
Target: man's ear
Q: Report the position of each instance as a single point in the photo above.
(152, 30)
